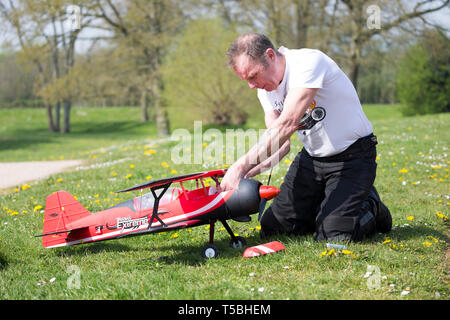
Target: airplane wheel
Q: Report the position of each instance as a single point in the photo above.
(210, 251)
(238, 243)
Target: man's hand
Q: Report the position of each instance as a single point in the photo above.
(232, 178)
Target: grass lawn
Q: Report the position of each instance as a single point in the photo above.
(408, 263)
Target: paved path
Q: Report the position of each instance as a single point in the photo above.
(16, 173)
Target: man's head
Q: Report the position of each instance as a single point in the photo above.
(254, 59)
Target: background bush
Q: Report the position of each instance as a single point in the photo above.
(423, 75)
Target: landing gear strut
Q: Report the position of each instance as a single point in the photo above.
(211, 251)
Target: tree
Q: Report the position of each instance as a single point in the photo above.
(143, 29)
(198, 78)
(423, 75)
(359, 33)
(40, 26)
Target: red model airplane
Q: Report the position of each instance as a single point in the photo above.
(165, 208)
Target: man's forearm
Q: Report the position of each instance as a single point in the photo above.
(296, 103)
(270, 162)
(268, 145)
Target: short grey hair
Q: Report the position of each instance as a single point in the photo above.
(253, 45)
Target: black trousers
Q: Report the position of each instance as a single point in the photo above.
(326, 196)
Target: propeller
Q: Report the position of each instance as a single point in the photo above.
(262, 204)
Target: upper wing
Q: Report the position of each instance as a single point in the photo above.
(165, 181)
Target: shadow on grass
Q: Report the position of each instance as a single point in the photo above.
(191, 254)
(94, 248)
(179, 253)
(414, 231)
(25, 138)
(21, 142)
(3, 262)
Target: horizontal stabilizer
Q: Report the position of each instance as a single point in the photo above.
(262, 249)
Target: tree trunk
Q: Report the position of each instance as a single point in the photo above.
(144, 105)
(159, 105)
(57, 116)
(162, 121)
(51, 124)
(302, 13)
(66, 121)
(357, 17)
(354, 71)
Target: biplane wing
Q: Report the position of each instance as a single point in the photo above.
(154, 184)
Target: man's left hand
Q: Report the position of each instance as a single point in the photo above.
(232, 178)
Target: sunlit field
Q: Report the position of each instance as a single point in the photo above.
(119, 151)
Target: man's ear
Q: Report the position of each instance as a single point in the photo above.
(270, 54)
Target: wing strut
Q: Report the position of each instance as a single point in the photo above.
(156, 204)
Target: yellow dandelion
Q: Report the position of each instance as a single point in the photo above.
(149, 152)
(39, 207)
(60, 180)
(348, 252)
(25, 187)
(173, 171)
(131, 166)
(410, 218)
(164, 164)
(128, 176)
(442, 216)
(403, 170)
(426, 243)
(174, 236)
(387, 241)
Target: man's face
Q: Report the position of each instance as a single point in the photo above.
(256, 74)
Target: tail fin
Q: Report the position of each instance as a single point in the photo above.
(61, 209)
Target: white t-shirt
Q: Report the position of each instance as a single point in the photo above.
(344, 122)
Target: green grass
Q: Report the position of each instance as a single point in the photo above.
(412, 180)
(24, 134)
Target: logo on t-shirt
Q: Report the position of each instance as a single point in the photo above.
(279, 105)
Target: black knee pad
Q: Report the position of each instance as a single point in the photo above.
(342, 228)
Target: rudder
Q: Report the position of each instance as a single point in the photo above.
(61, 209)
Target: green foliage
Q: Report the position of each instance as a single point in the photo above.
(423, 75)
(198, 81)
(16, 81)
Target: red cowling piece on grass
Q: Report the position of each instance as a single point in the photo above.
(262, 249)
